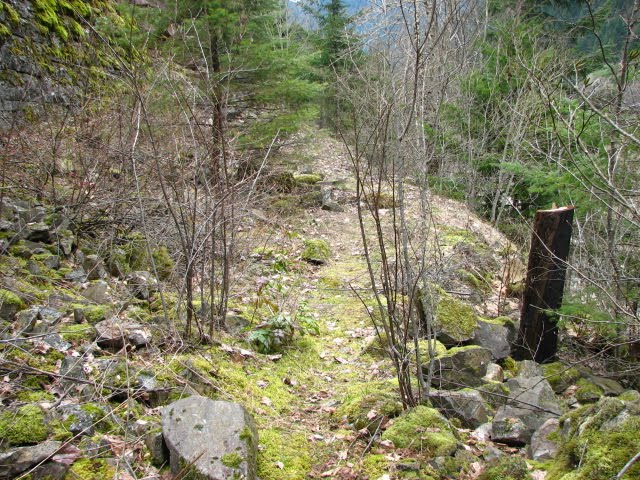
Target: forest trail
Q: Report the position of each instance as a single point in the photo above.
(343, 361)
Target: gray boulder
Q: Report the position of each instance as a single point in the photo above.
(460, 367)
(216, 439)
(97, 292)
(542, 447)
(114, 334)
(18, 460)
(496, 335)
(531, 403)
(94, 267)
(468, 406)
(142, 284)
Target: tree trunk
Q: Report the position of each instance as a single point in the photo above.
(538, 337)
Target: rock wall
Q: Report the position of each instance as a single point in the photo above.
(49, 53)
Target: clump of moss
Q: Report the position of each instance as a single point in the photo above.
(34, 396)
(363, 398)
(10, 299)
(91, 469)
(506, 468)
(96, 313)
(231, 460)
(374, 466)
(588, 391)
(291, 449)
(26, 426)
(163, 262)
(423, 429)
(78, 333)
(438, 349)
(455, 319)
(308, 178)
(602, 438)
(560, 376)
(316, 251)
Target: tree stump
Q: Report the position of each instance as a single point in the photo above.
(544, 286)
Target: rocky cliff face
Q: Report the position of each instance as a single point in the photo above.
(50, 52)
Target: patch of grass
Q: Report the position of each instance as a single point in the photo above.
(279, 448)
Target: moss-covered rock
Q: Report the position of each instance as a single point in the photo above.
(316, 251)
(560, 376)
(25, 426)
(78, 333)
(597, 441)
(91, 469)
(163, 262)
(308, 178)
(460, 367)
(588, 391)
(10, 304)
(425, 430)
(455, 321)
(506, 468)
(366, 405)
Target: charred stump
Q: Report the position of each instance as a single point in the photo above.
(546, 271)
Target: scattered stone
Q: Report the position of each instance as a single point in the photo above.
(492, 454)
(529, 368)
(81, 419)
(468, 406)
(142, 284)
(65, 239)
(34, 268)
(37, 232)
(316, 251)
(482, 433)
(97, 292)
(52, 262)
(157, 448)
(17, 460)
(114, 334)
(455, 321)
(496, 335)
(236, 324)
(26, 320)
(531, 402)
(94, 267)
(217, 439)
(78, 275)
(610, 387)
(460, 367)
(494, 373)
(542, 447)
(10, 304)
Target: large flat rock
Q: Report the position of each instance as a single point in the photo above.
(214, 440)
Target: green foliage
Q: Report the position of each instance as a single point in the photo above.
(272, 335)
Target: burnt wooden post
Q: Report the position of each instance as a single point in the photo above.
(538, 336)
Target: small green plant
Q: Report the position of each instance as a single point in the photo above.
(271, 336)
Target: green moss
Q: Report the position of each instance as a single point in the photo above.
(291, 449)
(423, 429)
(506, 468)
(308, 178)
(232, 460)
(96, 313)
(91, 469)
(630, 396)
(374, 466)
(78, 333)
(495, 394)
(588, 391)
(29, 396)
(163, 262)
(10, 13)
(560, 376)
(437, 346)
(504, 321)
(10, 298)
(24, 427)
(510, 366)
(316, 251)
(362, 398)
(453, 235)
(458, 320)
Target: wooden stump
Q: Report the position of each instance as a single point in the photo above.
(544, 286)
